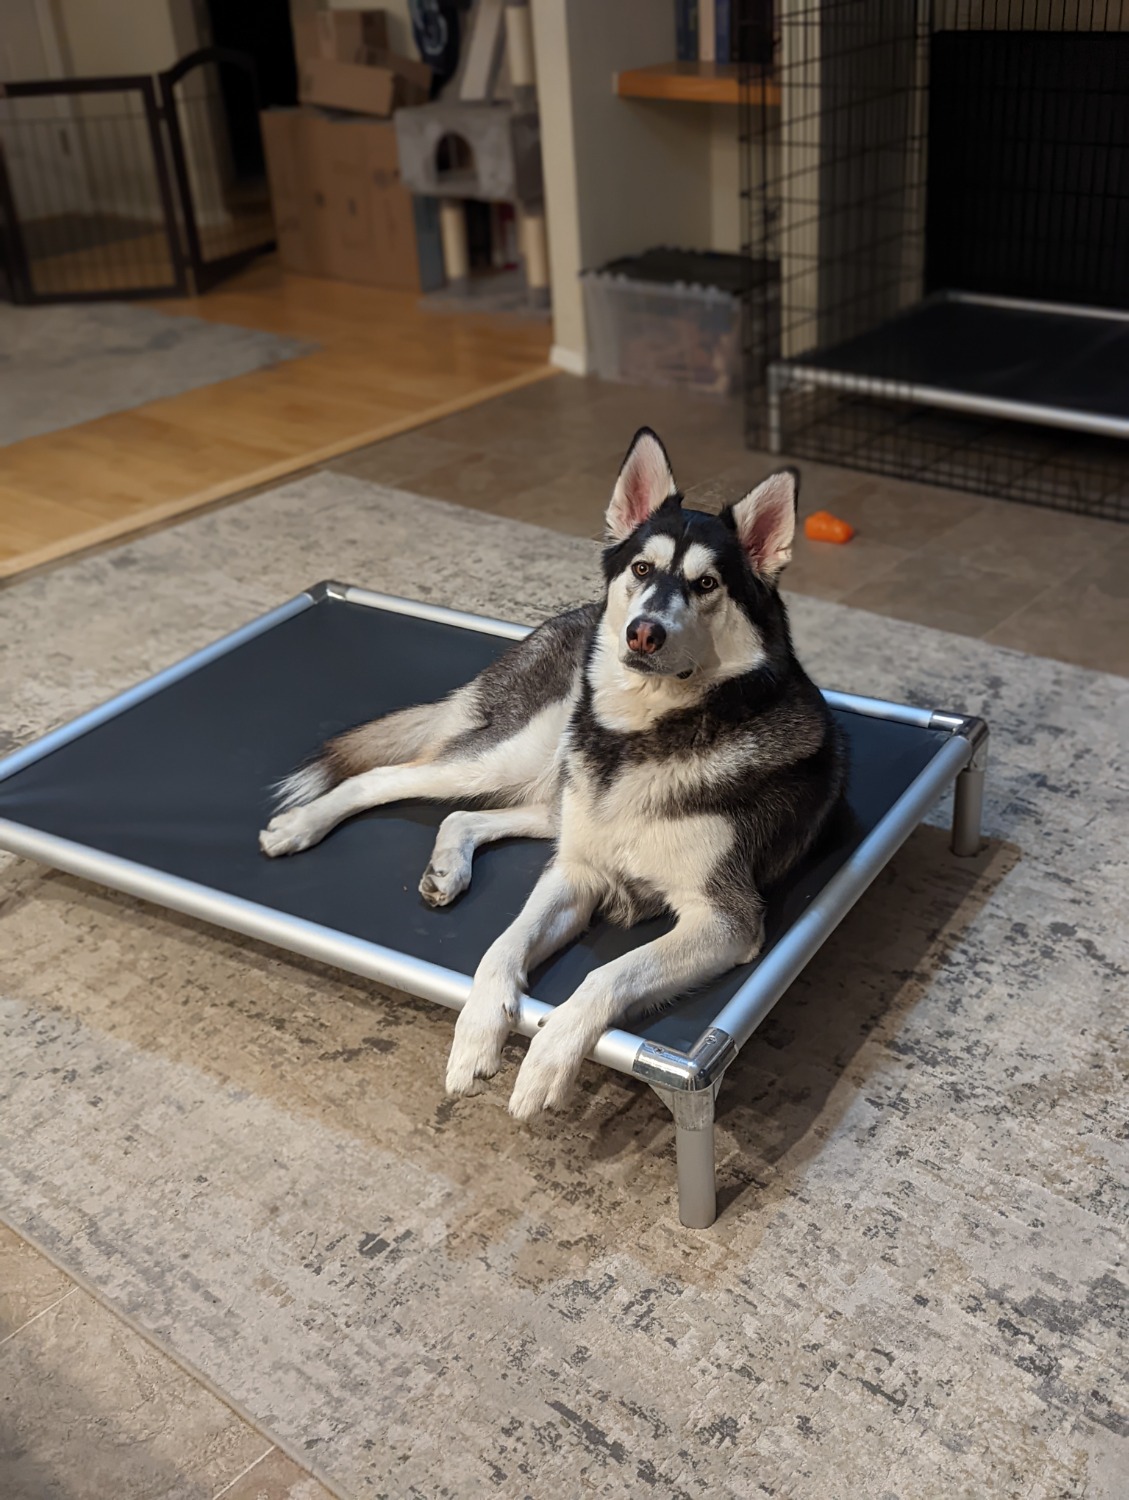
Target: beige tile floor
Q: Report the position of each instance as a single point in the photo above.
(89, 1410)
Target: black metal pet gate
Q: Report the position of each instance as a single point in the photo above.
(945, 187)
(132, 186)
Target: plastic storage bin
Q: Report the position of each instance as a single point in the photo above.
(669, 317)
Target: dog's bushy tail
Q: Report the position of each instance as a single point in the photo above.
(411, 734)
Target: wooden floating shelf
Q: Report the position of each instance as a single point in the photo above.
(692, 83)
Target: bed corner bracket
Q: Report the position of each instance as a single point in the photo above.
(686, 1072)
(327, 589)
(970, 728)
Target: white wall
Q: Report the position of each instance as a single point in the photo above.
(621, 175)
(40, 141)
(558, 161)
(113, 37)
(117, 36)
(644, 173)
(726, 228)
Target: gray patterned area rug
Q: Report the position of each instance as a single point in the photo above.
(916, 1287)
(68, 364)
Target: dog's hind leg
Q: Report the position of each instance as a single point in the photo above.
(461, 833)
(298, 828)
(703, 943)
(559, 907)
(517, 768)
(408, 736)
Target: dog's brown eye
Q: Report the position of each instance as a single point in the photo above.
(641, 568)
(707, 583)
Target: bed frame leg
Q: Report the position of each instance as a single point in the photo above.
(693, 1135)
(968, 805)
(968, 795)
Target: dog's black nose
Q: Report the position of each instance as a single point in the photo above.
(645, 636)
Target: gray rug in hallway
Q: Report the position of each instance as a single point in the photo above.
(68, 364)
(916, 1287)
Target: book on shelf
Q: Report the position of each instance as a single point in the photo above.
(686, 29)
(707, 30)
(723, 32)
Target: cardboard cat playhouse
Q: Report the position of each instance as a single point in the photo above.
(480, 141)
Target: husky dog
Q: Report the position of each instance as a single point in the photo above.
(667, 740)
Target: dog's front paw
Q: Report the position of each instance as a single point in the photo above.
(480, 1035)
(476, 1054)
(444, 879)
(549, 1071)
(289, 833)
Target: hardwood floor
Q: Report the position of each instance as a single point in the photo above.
(384, 366)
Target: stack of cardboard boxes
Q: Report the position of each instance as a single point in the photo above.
(340, 208)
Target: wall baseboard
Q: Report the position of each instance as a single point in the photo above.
(569, 360)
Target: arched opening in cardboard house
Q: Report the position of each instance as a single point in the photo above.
(454, 158)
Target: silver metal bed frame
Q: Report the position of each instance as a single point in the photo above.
(687, 1081)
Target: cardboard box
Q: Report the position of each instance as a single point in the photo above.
(378, 87)
(348, 35)
(369, 233)
(286, 138)
(304, 24)
(340, 207)
(338, 35)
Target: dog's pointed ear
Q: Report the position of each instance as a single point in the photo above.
(645, 482)
(765, 522)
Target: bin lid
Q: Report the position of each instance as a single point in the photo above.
(716, 268)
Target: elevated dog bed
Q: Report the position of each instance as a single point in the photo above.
(162, 792)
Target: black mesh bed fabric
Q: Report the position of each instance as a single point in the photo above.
(1075, 362)
(180, 783)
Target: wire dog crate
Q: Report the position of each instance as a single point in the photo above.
(945, 186)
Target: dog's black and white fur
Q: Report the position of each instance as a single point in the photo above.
(666, 738)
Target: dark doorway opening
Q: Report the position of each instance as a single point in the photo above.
(260, 29)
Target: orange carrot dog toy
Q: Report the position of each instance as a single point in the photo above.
(822, 526)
